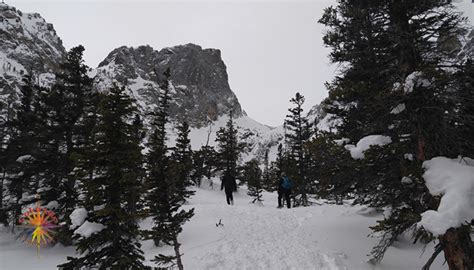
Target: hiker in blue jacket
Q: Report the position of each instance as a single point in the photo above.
(284, 189)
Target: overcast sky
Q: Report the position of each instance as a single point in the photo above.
(271, 49)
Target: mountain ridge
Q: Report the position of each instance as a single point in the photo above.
(200, 89)
(29, 44)
(199, 82)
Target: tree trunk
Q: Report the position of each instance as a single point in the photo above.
(458, 248)
(421, 147)
(178, 255)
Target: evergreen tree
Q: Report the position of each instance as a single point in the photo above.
(464, 119)
(267, 175)
(253, 175)
(198, 170)
(178, 180)
(204, 164)
(137, 199)
(66, 110)
(229, 147)
(279, 162)
(167, 181)
(298, 135)
(333, 167)
(114, 189)
(182, 154)
(157, 160)
(211, 163)
(396, 82)
(3, 175)
(22, 153)
(3, 172)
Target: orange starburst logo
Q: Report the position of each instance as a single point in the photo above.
(39, 224)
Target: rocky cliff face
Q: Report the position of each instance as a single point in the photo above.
(27, 43)
(200, 89)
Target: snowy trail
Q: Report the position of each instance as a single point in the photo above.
(263, 239)
(253, 237)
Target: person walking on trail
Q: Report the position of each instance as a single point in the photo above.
(229, 185)
(284, 190)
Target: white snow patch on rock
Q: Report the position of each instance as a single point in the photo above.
(406, 180)
(52, 205)
(24, 158)
(342, 141)
(357, 151)
(398, 109)
(415, 79)
(77, 217)
(454, 180)
(89, 228)
(329, 123)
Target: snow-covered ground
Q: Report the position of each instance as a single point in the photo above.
(255, 237)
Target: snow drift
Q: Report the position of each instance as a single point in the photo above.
(453, 179)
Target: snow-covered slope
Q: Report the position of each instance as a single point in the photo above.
(323, 121)
(27, 43)
(257, 237)
(263, 137)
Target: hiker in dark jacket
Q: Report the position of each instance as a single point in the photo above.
(229, 184)
(284, 190)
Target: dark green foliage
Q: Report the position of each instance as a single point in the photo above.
(279, 162)
(269, 174)
(229, 147)
(157, 163)
(298, 134)
(167, 181)
(67, 110)
(182, 155)
(181, 165)
(464, 123)
(204, 164)
(115, 188)
(5, 134)
(333, 167)
(390, 63)
(199, 170)
(22, 155)
(253, 175)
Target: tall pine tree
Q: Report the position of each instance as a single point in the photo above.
(114, 189)
(22, 154)
(65, 110)
(167, 182)
(229, 147)
(253, 176)
(397, 83)
(299, 134)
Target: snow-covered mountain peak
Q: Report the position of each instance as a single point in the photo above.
(200, 93)
(28, 44)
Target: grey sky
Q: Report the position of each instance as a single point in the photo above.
(271, 49)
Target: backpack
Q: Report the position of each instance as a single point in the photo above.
(287, 184)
